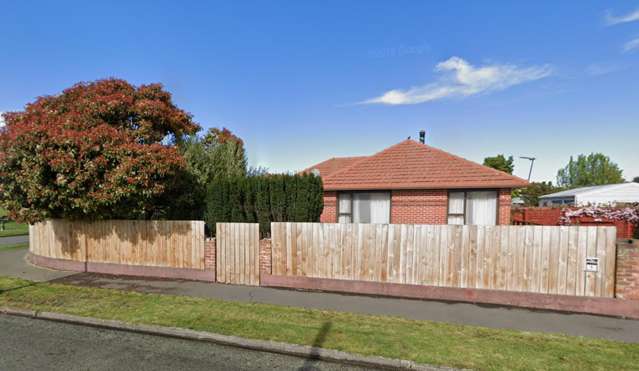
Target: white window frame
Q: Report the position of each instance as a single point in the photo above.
(465, 192)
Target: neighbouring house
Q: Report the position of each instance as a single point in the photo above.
(414, 183)
(610, 194)
(518, 202)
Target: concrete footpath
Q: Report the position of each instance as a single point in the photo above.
(12, 263)
(13, 240)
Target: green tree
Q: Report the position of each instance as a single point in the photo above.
(530, 194)
(589, 170)
(219, 153)
(501, 163)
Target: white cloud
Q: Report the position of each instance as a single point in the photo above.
(461, 79)
(600, 69)
(631, 45)
(630, 17)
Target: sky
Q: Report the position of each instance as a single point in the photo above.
(303, 81)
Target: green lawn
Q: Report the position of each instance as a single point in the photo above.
(13, 247)
(421, 341)
(12, 228)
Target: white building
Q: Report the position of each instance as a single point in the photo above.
(605, 194)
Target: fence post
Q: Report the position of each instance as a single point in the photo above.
(266, 253)
(209, 257)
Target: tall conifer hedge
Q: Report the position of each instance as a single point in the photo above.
(264, 199)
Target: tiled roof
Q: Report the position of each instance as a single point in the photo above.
(411, 165)
(332, 165)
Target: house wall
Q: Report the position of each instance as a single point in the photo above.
(329, 214)
(417, 206)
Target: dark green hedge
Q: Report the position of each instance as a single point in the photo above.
(264, 199)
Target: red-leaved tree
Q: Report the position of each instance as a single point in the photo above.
(98, 150)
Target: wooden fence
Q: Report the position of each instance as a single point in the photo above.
(237, 250)
(539, 259)
(175, 244)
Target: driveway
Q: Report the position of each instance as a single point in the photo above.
(29, 344)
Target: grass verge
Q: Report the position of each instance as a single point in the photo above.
(14, 229)
(13, 247)
(420, 341)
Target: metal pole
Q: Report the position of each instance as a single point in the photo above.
(532, 162)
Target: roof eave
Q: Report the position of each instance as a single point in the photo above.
(372, 187)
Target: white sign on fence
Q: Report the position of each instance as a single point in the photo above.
(592, 264)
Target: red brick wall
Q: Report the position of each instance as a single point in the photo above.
(329, 214)
(627, 285)
(419, 206)
(505, 203)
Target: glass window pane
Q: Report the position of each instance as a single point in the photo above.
(380, 207)
(344, 203)
(456, 203)
(481, 208)
(361, 208)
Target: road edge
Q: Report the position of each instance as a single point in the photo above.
(303, 351)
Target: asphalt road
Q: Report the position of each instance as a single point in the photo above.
(31, 344)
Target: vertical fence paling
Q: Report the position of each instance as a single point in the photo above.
(237, 249)
(540, 259)
(175, 244)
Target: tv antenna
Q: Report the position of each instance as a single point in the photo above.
(532, 162)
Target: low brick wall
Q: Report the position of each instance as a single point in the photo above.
(627, 285)
(562, 303)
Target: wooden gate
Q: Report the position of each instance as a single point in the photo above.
(237, 259)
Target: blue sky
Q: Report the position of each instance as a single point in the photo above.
(303, 81)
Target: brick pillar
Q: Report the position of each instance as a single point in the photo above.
(329, 213)
(505, 203)
(627, 280)
(209, 256)
(265, 256)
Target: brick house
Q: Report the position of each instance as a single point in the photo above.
(414, 183)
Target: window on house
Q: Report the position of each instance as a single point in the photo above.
(364, 207)
(472, 207)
